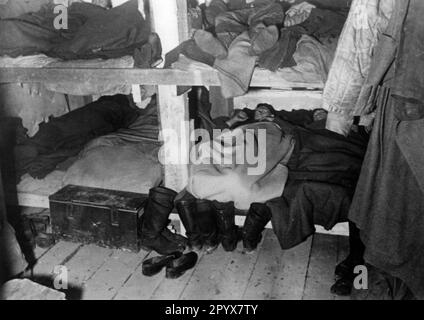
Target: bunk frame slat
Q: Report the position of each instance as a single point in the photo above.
(261, 78)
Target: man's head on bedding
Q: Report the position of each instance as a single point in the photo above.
(264, 112)
(320, 114)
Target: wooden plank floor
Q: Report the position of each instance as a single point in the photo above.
(305, 272)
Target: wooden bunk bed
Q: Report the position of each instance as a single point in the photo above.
(173, 109)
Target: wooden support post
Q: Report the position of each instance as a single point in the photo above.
(175, 131)
(182, 16)
(169, 20)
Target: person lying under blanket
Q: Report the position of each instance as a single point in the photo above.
(94, 32)
(308, 177)
(243, 34)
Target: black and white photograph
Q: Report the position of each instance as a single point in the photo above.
(208, 157)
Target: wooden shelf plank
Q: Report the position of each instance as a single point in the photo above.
(261, 78)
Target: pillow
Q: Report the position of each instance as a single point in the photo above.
(115, 165)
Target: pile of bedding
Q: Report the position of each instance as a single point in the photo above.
(96, 37)
(64, 137)
(93, 32)
(224, 173)
(308, 178)
(266, 34)
(125, 160)
(107, 144)
(313, 61)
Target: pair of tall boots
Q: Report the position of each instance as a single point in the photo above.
(227, 229)
(199, 220)
(208, 223)
(155, 234)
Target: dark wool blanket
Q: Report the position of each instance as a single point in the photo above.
(64, 137)
(93, 32)
(323, 171)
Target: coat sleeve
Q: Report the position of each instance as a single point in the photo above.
(367, 20)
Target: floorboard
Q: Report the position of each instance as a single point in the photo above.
(86, 262)
(138, 286)
(111, 276)
(320, 275)
(342, 253)
(56, 256)
(304, 272)
(206, 280)
(236, 274)
(169, 289)
(278, 274)
(291, 284)
(40, 252)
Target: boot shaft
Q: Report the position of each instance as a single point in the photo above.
(157, 210)
(257, 218)
(163, 196)
(225, 216)
(206, 217)
(156, 219)
(187, 211)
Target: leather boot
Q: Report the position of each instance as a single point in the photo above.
(174, 237)
(206, 221)
(187, 211)
(356, 254)
(155, 220)
(256, 220)
(227, 229)
(263, 38)
(345, 269)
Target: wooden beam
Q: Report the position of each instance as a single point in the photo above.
(280, 99)
(175, 132)
(261, 78)
(169, 21)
